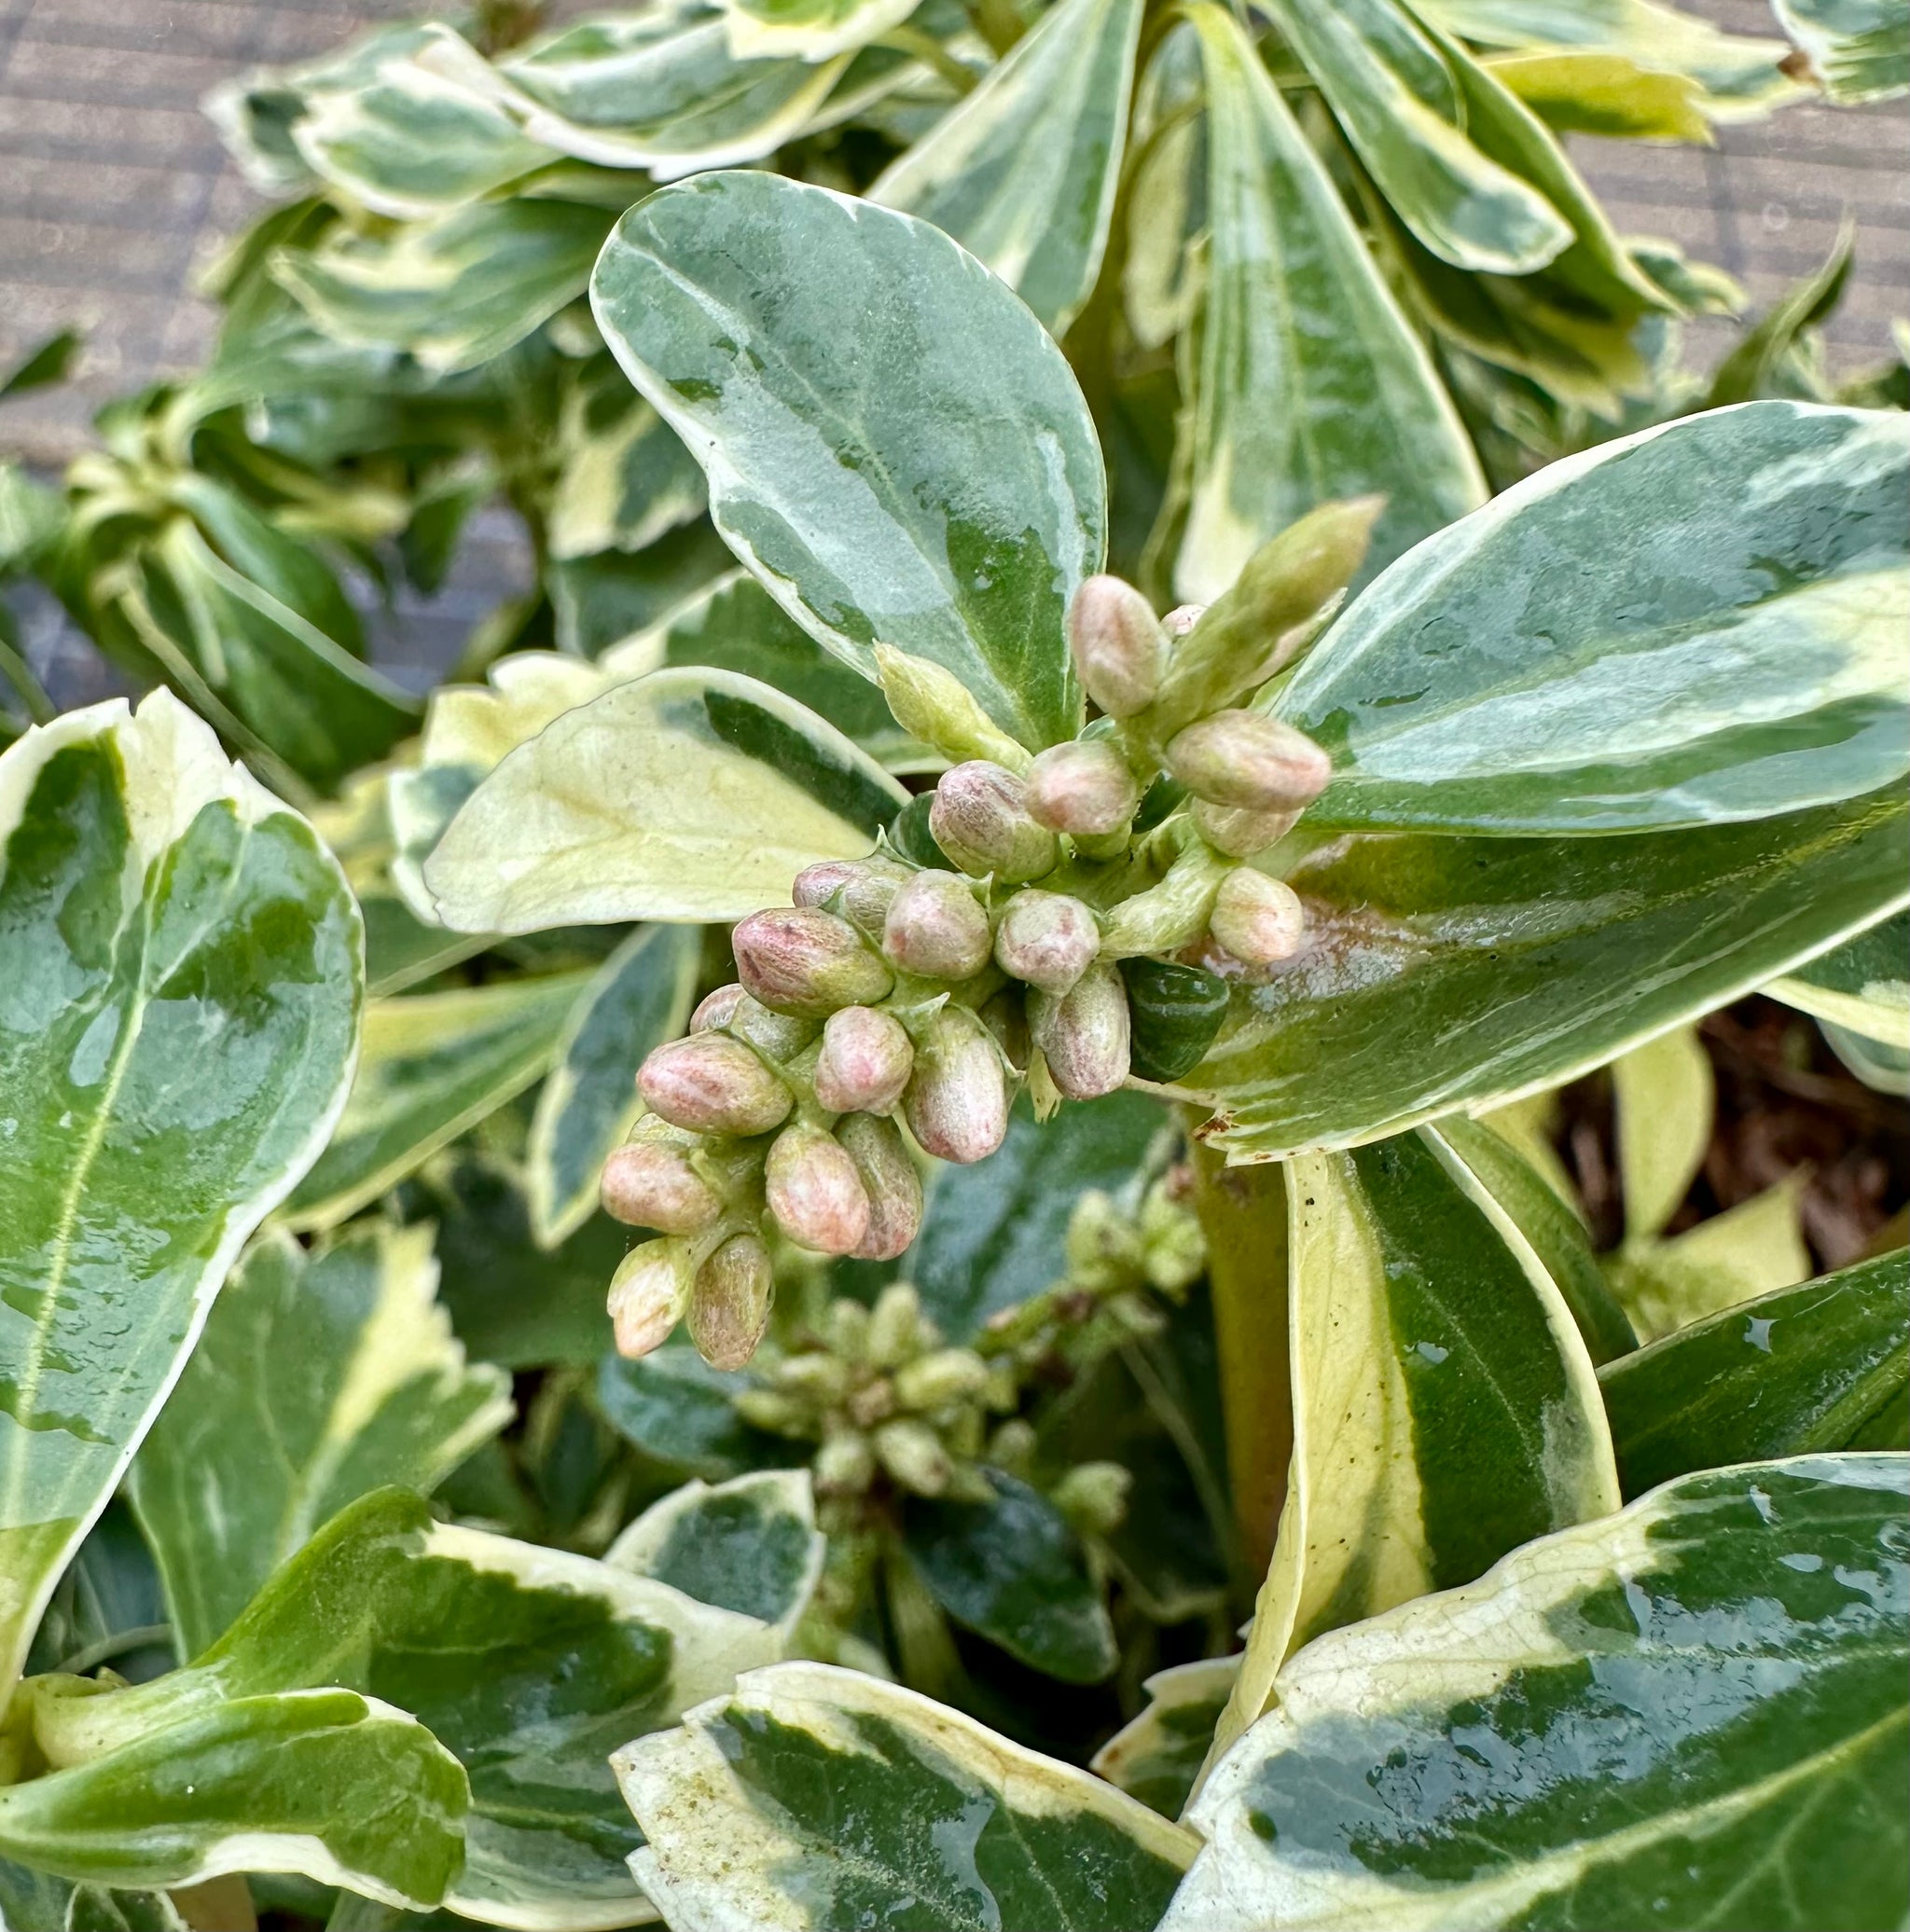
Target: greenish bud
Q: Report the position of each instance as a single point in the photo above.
(1240, 832)
(1084, 789)
(979, 818)
(1242, 759)
(650, 1184)
(800, 959)
(1168, 915)
(1103, 1246)
(1258, 920)
(941, 1379)
(1118, 645)
(845, 1465)
(896, 1327)
(1093, 1497)
(873, 1402)
(936, 930)
(814, 1192)
(713, 1085)
(846, 1328)
(781, 1414)
(1000, 1394)
(813, 1376)
(1048, 939)
(864, 1062)
(729, 1305)
(1083, 1033)
(1012, 1447)
(649, 1294)
(777, 1036)
(956, 1102)
(914, 1456)
(714, 1009)
(890, 1180)
(1172, 1239)
(935, 705)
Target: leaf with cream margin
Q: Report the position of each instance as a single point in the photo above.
(1691, 1713)
(1157, 1755)
(1862, 986)
(319, 1378)
(1445, 1407)
(1023, 171)
(624, 478)
(689, 794)
(1666, 1097)
(808, 30)
(748, 1806)
(639, 998)
(1447, 974)
(159, 911)
(1881, 1067)
(1297, 320)
(1745, 656)
(1859, 49)
(433, 1066)
(894, 444)
(748, 1545)
(1576, 91)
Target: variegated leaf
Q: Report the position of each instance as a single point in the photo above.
(1862, 986)
(1859, 49)
(1157, 1755)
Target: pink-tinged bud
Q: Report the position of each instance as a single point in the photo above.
(1182, 619)
(936, 930)
(649, 1294)
(865, 1061)
(715, 1009)
(778, 1037)
(816, 885)
(650, 1184)
(729, 1305)
(1258, 920)
(1240, 832)
(815, 1192)
(979, 818)
(857, 889)
(713, 1085)
(797, 959)
(1084, 789)
(888, 1178)
(957, 1103)
(1048, 939)
(1241, 758)
(1084, 1035)
(1119, 647)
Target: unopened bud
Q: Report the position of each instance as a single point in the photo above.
(729, 1305)
(935, 705)
(1119, 647)
(913, 1454)
(957, 1099)
(845, 1328)
(1182, 619)
(936, 930)
(1084, 1033)
(1241, 758)
(941, 1379)
(649, 1294)
(1176, 1249)
(649, 1184)
(845, 1465)
(1012, 1446)
(890, 1180)
(873, 1402)
(1046, 939)
(1093, 1497)
(1084, 789)
(864, 1063)
(797, 959)
(1103, 1245)
(980, 819)
(1258, 920)
(777, 1036)
(814, 1192)
(713, 1085)
(1005, 1016)
(765, 1408)
(715, 1008)
(816, 885)
(895, 1326)
(812, 1377)
(1170, 914)
(856, 889)
(1240, 833)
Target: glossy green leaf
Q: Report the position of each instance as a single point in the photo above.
(1690, 1713)
(1862, 986)
(1157, 1755)
(748, 1809)
(748, 1545)
(433, 1064)
(1575, 90)
(894, 444)
(1443, 974)
(677, 1410)
(1445, 1409)
(1808, 1367)
(159, 910)
(689, 794)
(319, 1378)
(1665, 1098)
(1744, 655)
(640, 997)
(1023, 171)
(1859, 49)
(1296, 322)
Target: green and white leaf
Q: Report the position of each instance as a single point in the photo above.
(1666, 1099)
(1702, 1696)
(1862, 986)
(679, 1411)
(29, 1899)
(748, 1809)
(1157, 1755)
(1297, 320)
(939, 489)
(319, 1378)
(1882, 1067)
(1859, 49)
(689, 794)
(808, 30)
(624, 478)
(1023, 171)
(159, 910)
(1577, 92)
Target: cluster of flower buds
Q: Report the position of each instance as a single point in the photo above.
(1066, 920)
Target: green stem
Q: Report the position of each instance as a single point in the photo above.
(925, 47)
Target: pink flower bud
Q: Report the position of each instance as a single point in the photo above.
(1048, 939)
(801, 960)
(729, 1305)
(1082, 789)
(1259, 919)
(889, 1180)
(1118, 645)
(816, 885)
(814, 1191)
(980, 819)
(857, 889)
(649, 1294)
(936, 930)
(957, 1101)
(650, 1184)
(1240, 833)
(715, 1008)
(865, 1061)
(1084, 1033)
(713, 1084)
(1241, 758)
